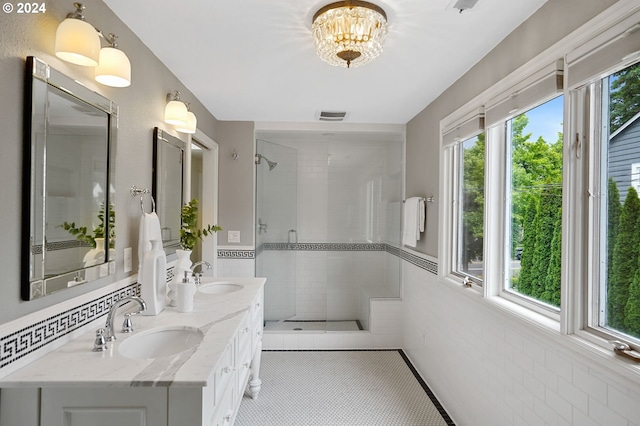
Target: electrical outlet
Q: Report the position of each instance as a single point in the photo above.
(233, 236)
(128, 260)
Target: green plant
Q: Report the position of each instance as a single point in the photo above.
(189, 232)
(82, 235)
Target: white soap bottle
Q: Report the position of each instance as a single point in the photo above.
(153, 288)
(185, 291)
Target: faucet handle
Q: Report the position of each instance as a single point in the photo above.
(100, 344)
(127, 325)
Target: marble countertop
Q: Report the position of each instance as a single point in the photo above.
(76, 365)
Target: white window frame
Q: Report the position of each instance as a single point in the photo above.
(454, 134)
(504, 165)
(580, 201)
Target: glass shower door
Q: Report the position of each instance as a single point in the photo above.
(276, 228)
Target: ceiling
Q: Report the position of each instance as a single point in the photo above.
(254, 60)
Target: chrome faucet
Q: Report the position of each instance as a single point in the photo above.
(109, 333)
(198, 276)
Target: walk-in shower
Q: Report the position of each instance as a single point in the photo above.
(327, 225)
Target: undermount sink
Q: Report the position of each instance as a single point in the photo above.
(160, 342)
(219, 287)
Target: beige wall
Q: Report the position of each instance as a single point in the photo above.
(555, 20)
(141, 109)
(235, 209)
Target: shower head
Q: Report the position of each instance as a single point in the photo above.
(272, 164)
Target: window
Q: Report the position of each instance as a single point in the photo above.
(534, 209)
(617, 289)
(471, 208)
(546, 214)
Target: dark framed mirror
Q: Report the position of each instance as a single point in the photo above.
(167, 189)
(68, 227)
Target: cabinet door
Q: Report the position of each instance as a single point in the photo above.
(104, 407)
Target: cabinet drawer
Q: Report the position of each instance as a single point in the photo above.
(257, 307)
(224, 374)
(243, 336)
(224, 414)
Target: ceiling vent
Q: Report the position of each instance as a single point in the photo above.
(463, 5)
(332, 115)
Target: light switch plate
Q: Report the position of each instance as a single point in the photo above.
(127, 260)
(233, 236)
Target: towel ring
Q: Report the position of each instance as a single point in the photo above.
(135, 191)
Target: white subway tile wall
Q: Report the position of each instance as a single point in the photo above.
(488, 369)
(236, 268)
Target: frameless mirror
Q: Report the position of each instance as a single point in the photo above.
(168, 172)
(68, 225)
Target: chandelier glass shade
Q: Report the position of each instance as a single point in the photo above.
(349, 33)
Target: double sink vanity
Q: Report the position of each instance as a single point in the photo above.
(174, 369)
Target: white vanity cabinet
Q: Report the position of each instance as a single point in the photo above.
(212, 401)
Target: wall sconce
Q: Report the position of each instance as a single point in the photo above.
(114, 68)
(190, 125)
(78, 42)
(177, 113)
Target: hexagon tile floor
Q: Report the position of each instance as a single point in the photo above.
(341, 388)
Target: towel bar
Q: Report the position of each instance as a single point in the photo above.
(427, 199)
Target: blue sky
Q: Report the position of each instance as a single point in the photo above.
(546, 120)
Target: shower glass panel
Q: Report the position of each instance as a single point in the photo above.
(364, 187)
(276, 226)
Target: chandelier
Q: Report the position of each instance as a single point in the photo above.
(349, 33)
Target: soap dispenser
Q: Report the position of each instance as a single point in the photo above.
(184, 293)
(153, 288)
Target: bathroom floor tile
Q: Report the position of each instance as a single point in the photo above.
(354, 388)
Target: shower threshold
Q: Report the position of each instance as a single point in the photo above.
(313, 325)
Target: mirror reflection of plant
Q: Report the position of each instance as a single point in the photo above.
(83, 236)
(189, 232)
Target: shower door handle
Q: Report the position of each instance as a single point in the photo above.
(295, 234)
(262, 226)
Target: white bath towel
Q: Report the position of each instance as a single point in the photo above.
(413, 223)
(149, 230)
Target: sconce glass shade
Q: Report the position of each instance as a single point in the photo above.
(190, 126)
(175, 113)
(114, 68)
(77, 42)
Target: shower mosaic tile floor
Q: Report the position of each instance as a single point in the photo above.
(312, 325)
(341, 388)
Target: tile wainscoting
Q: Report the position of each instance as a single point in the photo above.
(489, 367)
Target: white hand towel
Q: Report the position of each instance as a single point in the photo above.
(149, 230)
(411, 222)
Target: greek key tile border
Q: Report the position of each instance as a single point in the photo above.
(35, 336)
(419, 261)
(325, 246)
(236, 254)
(59, 245)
